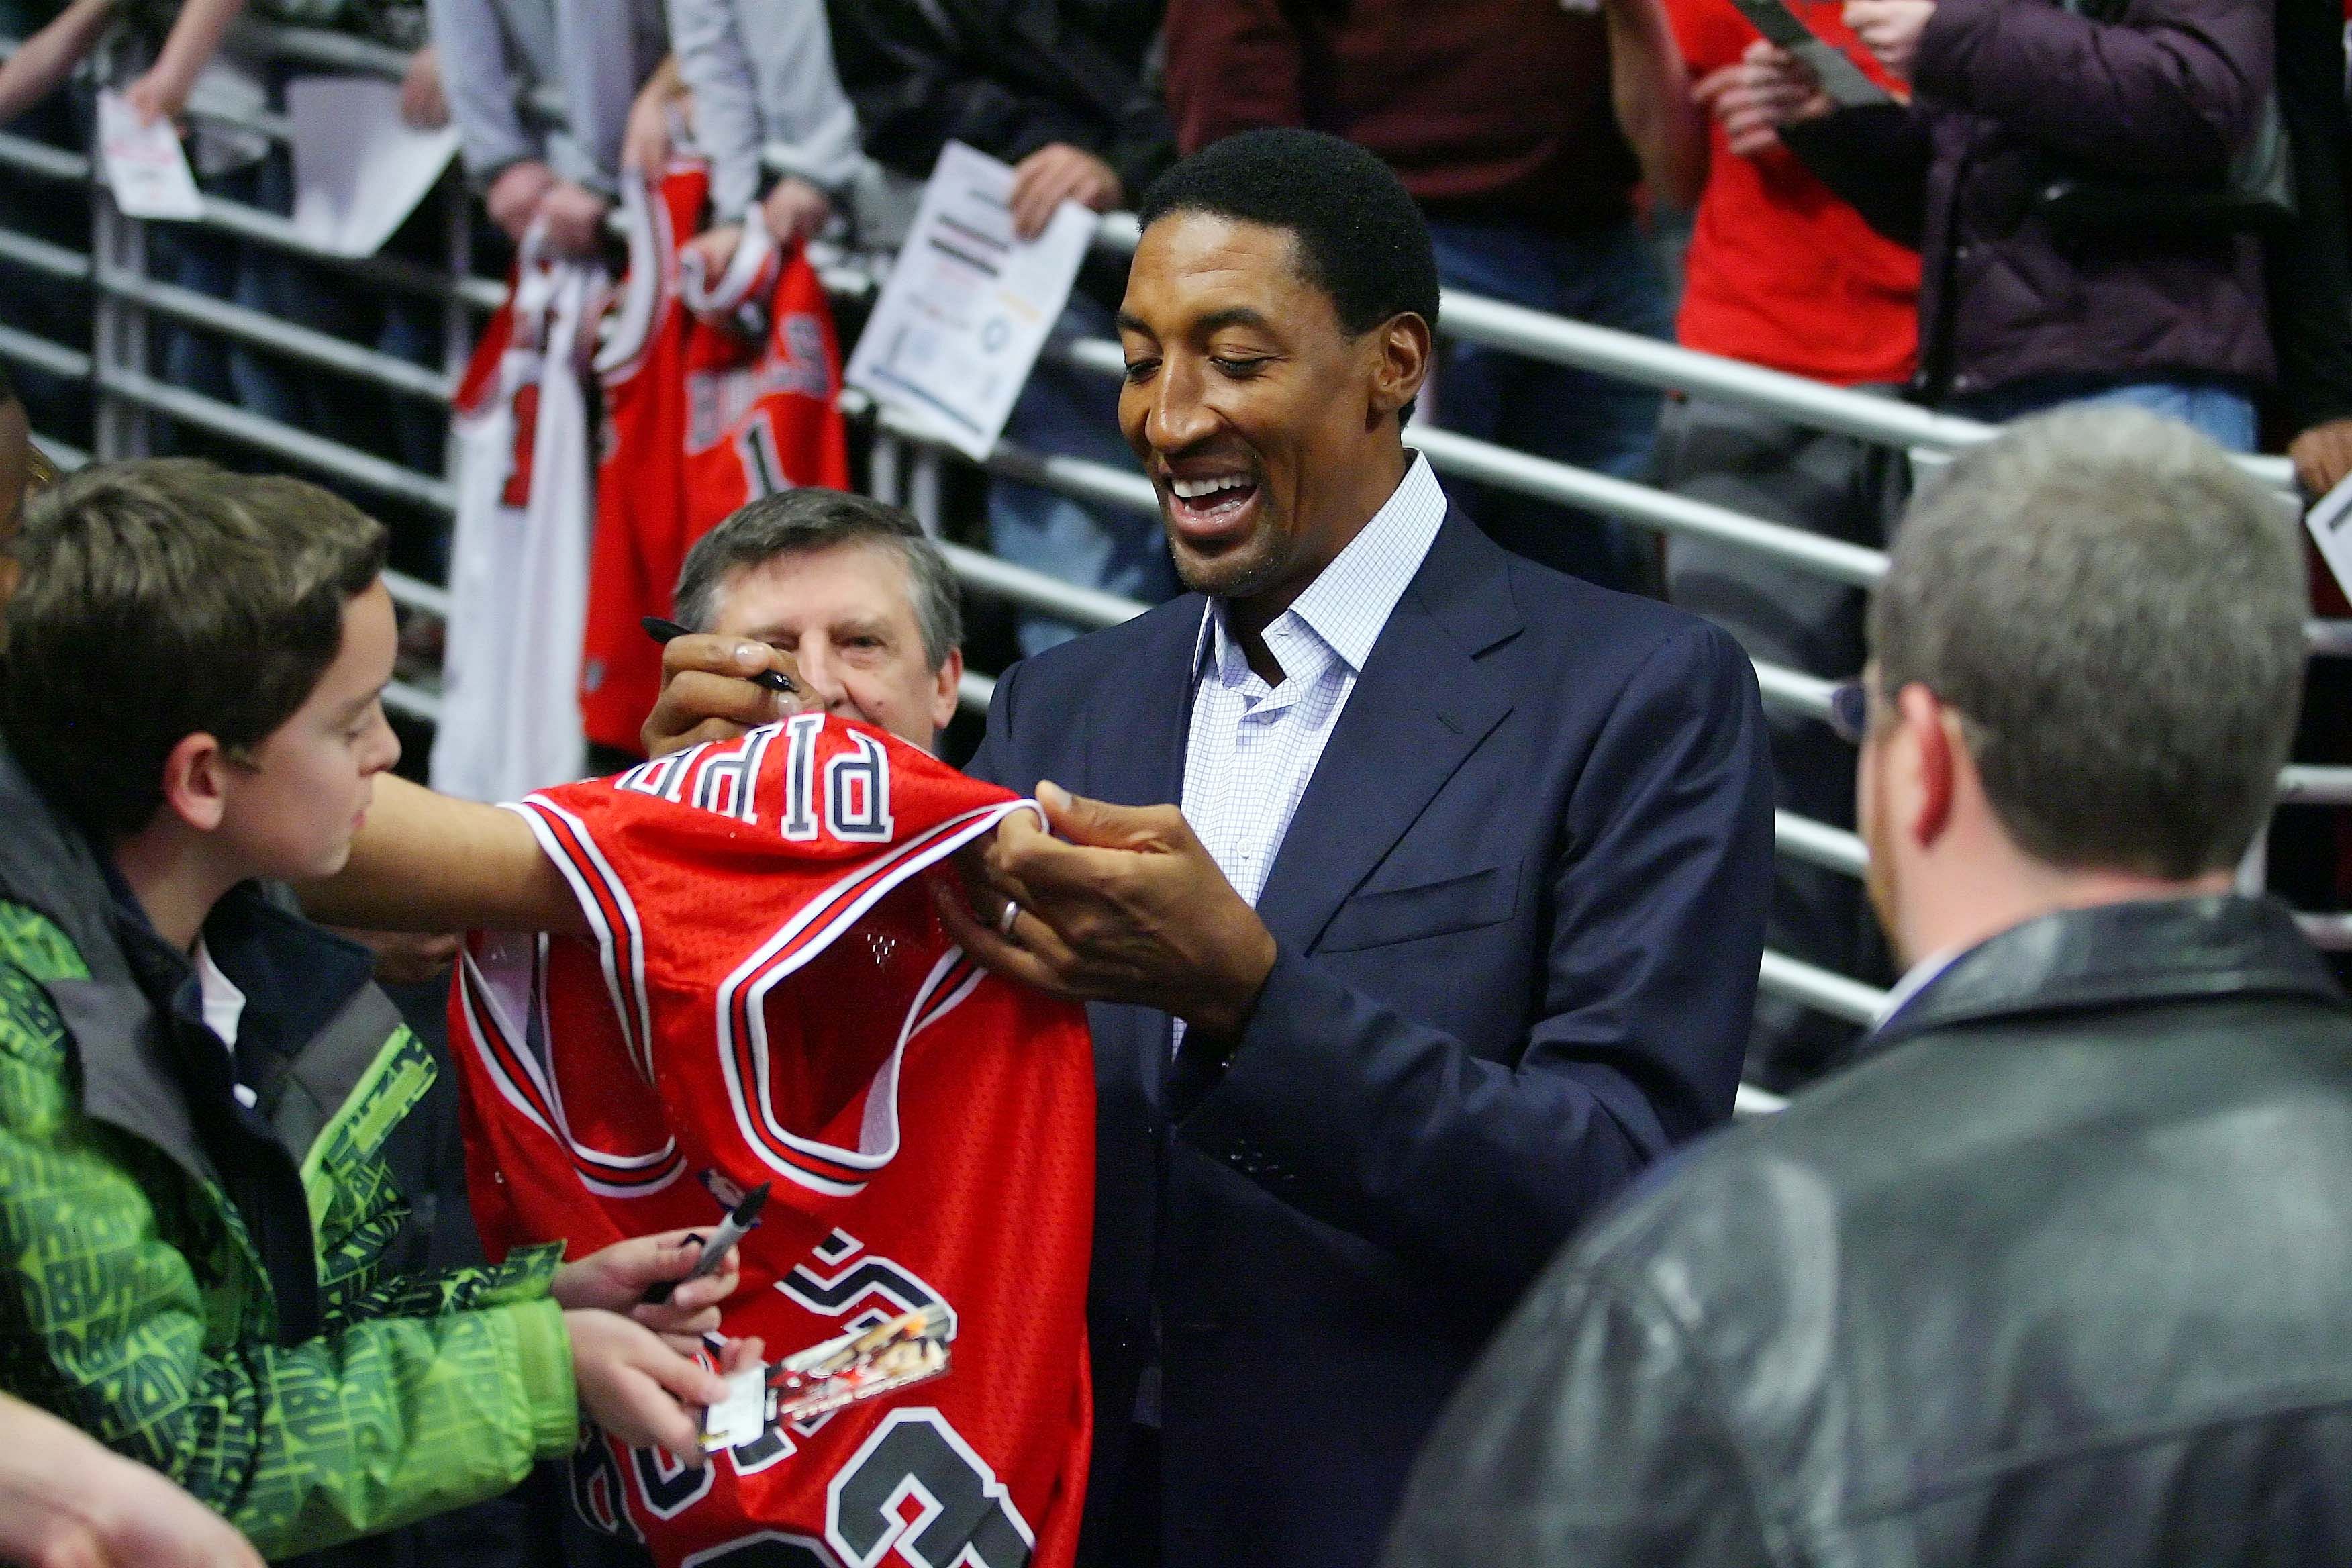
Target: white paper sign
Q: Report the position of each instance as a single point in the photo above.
(359, 168)
(144, 166)
(737, 1421)
(2330, 522)
(1841, 78)
(967, 308)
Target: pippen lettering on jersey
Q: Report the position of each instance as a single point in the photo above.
(847, 799)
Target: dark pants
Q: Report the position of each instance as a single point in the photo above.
(1609, 277)
(1847, 490)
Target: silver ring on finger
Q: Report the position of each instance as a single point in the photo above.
(1004, 922)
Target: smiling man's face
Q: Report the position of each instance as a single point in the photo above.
(1269, 432)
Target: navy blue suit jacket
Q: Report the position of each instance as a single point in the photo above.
(1518, 913)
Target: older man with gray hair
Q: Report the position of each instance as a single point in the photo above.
(2061, 1269)
(862, 604)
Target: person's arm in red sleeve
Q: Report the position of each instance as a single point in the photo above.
(1233, 64)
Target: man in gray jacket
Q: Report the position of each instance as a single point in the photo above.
(2061, 1270)
(499, 57)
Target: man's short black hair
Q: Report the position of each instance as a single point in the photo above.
(1360, 238)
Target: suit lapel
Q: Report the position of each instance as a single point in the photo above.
(1135, 756)
(1421, 706)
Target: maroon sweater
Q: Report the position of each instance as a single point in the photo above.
(1487, 109)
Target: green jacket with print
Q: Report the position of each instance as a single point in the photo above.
(134, 1301)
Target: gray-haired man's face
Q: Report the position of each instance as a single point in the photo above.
(847, 614)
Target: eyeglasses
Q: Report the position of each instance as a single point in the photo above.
(1849, 714)
(41, 470)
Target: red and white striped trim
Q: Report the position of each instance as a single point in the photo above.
(528, 1083)
(612, 915)
(824, 1168)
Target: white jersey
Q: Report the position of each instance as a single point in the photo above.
(518, 563)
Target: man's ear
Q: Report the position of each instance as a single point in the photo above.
(1936, 759)
(944, 694)
(196, 782)
(1404, 343)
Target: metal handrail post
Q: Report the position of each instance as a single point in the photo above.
(262, 329)
(117, 330)
(456, 318)
(1629, 356)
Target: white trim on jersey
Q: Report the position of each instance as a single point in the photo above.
(822, 1167)
(652, 274)
(739, 284)
(613, 919)
(527, 1081)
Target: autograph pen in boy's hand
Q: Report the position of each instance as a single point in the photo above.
(666, 632)
(733, 1229)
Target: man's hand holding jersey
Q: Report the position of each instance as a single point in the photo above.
(1115, 904)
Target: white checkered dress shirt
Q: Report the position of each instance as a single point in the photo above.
(1254, 747)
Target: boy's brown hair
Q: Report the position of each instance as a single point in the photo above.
(165, 598)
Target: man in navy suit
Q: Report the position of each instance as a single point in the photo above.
(1455, 932)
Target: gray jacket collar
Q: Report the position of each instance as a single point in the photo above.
(2154, 949)
(334, 1020)
(119, 1036)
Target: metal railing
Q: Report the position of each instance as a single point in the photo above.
(128, 395)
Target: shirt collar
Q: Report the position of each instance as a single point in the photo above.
(1915, 979)
(1350, 603)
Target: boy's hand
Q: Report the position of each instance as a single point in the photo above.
(644, 143)
(515, 196)
(615, 1280)
(1780, 89)
(795, 209)
(638, 1388)
(1732, 95)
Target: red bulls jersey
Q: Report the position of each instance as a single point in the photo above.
(700, 416)
(770, 997)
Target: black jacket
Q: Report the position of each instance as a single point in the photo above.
(2010, 94)
(2060, 1273)
(2310, 271)
(1007, 77)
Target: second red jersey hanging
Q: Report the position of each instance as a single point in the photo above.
(716, 393)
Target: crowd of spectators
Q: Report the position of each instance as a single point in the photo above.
(1909, 248)
(1985, 241)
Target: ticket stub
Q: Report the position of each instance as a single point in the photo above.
(737, 1421)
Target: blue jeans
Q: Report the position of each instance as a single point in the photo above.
(1609, 276)
(2220, 410)
(1074, 413)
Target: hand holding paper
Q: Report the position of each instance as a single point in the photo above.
(969, 304)
(145, 168)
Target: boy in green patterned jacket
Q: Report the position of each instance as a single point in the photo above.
(194, 1084)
